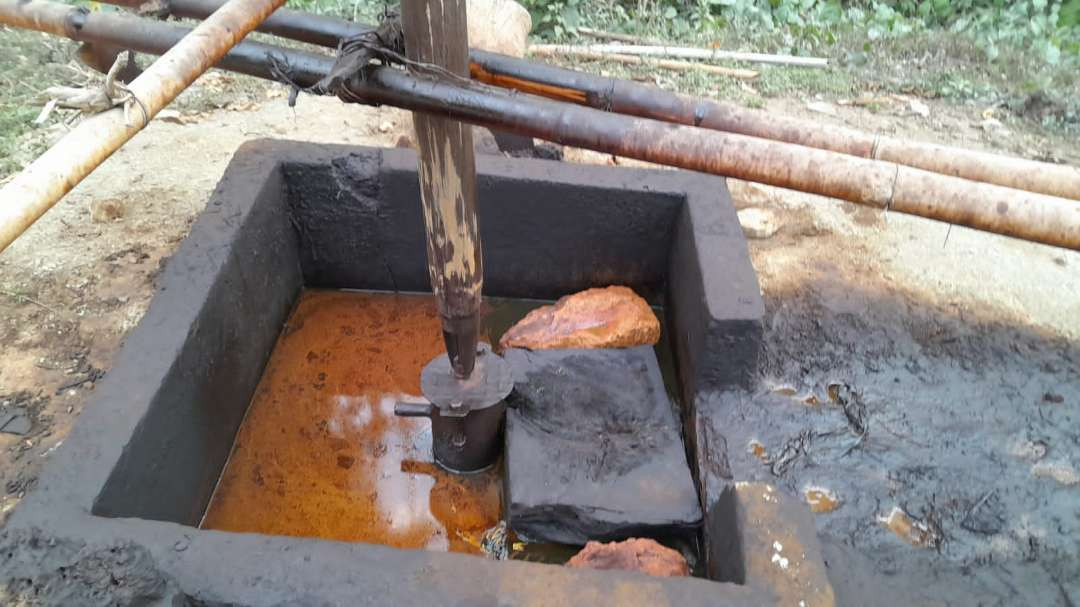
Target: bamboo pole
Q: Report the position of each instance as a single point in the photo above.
(436, 34)
(688, 52)
(669, 64)
(602, 35)
(39, 186)
(636, 99)
(1023, 215)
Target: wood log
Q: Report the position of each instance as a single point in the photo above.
(883, 185)
(631, 98)
(1028, 216)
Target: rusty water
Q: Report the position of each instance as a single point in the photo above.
(321, 453)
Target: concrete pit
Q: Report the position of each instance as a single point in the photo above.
(135, 478)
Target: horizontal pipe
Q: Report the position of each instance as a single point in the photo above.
(35, 189)
(635, 99)
(884, 185)
(1025, 215)
(295, 25)
(670, 64)
(156, 38)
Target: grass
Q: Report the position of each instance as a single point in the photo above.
(928, 61)
(29, 62)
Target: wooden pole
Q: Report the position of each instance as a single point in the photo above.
(635, 99)
(669, 64)
(39, 186)
(436, 33)
(689, 52)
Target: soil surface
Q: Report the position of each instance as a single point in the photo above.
(963, 347)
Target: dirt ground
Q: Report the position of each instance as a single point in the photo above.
(76, 283)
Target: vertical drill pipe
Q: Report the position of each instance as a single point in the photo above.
(39, 186)
(436, 34)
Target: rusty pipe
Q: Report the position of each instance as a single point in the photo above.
(624, 97)
(39, 186)
(884, 185)
(634, 99)
(295, 25)
(1024, 215)
(126, 31)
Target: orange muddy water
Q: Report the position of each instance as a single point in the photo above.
(321, 454)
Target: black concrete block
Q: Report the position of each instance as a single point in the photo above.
(594, 449)
(716, 322)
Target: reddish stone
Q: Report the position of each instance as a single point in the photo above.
(634, 554)
(611, 317)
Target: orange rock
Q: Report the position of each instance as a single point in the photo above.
(611, 317)
(634, 554)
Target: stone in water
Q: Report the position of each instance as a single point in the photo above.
(611, 317)
(594, 449)
(635, 554)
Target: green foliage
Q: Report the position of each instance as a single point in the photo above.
(1049, 28)
(29, 62)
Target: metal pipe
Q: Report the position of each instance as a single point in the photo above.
(39, 186)
(623, 97)
(155, 38)
(287, 23)
(1024, 215)
(634, 99)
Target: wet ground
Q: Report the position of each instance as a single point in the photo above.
(940, 448)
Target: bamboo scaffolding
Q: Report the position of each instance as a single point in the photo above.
(883, 185)
(39, 186)
(645, 101)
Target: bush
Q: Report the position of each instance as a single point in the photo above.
(1051, 28)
